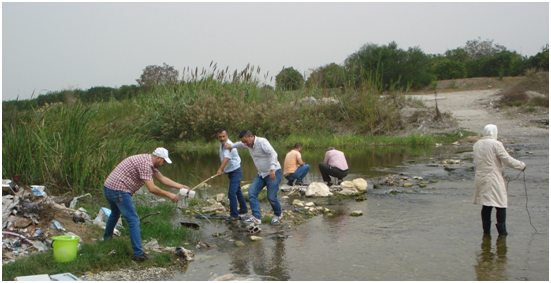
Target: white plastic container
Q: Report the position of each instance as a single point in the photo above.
(184, 192)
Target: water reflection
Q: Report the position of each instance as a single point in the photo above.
(255, 260)
(492, 265)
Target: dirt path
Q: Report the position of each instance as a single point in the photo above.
(475, 109)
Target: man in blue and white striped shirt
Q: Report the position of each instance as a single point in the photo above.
(231, 165)
(269, 174)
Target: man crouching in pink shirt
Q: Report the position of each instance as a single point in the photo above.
(334, 165)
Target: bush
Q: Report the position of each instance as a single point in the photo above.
(289, 79)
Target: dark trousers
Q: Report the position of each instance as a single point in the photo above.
(486, 213)
(328, 171)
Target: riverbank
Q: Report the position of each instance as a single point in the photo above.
(517, 131)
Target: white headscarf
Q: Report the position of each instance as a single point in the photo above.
(491, 131)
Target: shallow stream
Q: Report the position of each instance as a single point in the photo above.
(431, 233)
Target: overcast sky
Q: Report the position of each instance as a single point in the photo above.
(57, 46)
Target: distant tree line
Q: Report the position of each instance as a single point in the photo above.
(389, 67)
(385, 67)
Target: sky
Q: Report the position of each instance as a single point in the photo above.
(63, 46)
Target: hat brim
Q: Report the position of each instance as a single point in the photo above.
(168, 160)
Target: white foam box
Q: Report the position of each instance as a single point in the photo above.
(40, 277)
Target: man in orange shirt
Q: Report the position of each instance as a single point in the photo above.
(294, 167)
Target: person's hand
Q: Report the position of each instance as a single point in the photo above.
(174, 197)
(272, 175)
(227, 146)
(219, 172)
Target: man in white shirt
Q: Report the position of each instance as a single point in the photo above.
(269, 174)
(231, 165)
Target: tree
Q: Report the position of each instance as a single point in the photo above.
(541, 60)
(447, 69)
(388, 67)
(289, 79)
(153, 75)
(328, 76)
(478, 48)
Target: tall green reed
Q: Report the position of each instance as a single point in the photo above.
(64, 148)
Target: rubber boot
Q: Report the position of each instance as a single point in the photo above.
(501, 229)
(487, 226)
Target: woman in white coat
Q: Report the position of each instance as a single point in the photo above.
(490, 190)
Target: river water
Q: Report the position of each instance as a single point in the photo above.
(431, 233)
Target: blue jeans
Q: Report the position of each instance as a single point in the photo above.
(299, 174)
(234, 193)
(272, 187)
(121, 202)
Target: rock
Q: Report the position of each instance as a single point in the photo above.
(256, 238)
(245, 187)
(217, 207)
(356, 213)
(407, 185)
(309, 204)
(348, 185)
(422, 185)
(317, 189)
(151, 245)
(348, 191)
(361, 184)
(220, 197)
(239, 244)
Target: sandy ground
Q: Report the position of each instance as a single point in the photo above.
(474, 109)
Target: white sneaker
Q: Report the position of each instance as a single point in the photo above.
(253, 220)
(276, 219)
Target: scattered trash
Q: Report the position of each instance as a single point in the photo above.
(253, 229)
(186, 254)
(37, 233)
(204, 245)
(102, 217)
(256, 238)
(75, 200)
(46, 277)
(39, 190)
(57, 225)
(78, 219)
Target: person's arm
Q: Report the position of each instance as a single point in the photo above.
(224, 163)
(300, 162)
(234, 145)
(152, 188)
(508, 160)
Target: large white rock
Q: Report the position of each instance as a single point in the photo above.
(317, 189)
(361, 185)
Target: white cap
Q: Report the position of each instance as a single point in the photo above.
(163, 153)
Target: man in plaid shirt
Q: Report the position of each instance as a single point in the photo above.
(127, 178)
